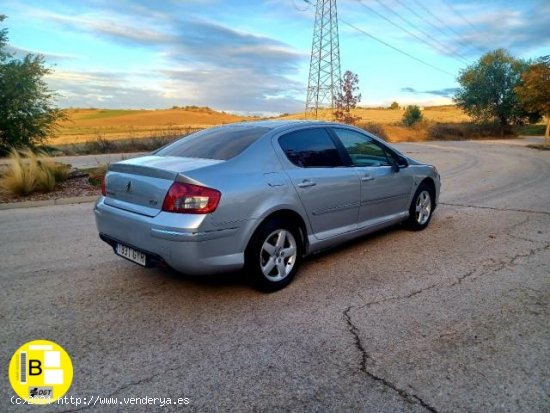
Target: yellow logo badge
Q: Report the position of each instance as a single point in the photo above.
(40, 372)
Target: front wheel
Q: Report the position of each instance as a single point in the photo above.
(273, 255)
(420, 211)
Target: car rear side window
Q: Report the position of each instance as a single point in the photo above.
(311, 148)
(219, 143)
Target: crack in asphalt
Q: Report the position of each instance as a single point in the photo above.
(531, 252)
(526, 211)
(408, 397)
(522, 238)
(365, 357)
(495, 265)
(356, 340)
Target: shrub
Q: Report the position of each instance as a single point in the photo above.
(394, 106)
(461, 131)
(102, 145)
(28, 173)
(96, 175)
(412, 115)
(376, 129)
(59, 171)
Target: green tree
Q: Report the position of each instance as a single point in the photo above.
(487, 89)
(394, 106)
(412, 115)
(28, 115)
(347, 99)
(534, 91)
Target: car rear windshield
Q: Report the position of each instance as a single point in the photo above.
(219, 143)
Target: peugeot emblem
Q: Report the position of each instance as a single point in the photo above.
(129, 186)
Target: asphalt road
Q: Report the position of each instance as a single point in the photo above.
(454, 318)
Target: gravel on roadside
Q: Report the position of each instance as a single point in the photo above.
(71, 188)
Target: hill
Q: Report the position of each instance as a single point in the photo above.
(86, 125)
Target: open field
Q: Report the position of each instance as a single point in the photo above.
(448, 113)
(84, 125)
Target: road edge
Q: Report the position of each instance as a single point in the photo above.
(49, 202)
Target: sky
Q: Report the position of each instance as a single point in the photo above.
(252, 57)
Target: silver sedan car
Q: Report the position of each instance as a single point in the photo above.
(260, 196)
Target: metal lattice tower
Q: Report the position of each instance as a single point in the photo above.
(324, 69)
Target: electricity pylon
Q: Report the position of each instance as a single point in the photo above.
(324, 69)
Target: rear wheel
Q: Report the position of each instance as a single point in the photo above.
(420, 211)
(273, 255)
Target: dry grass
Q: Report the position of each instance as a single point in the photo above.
(85, 125)
(448, 113)
(388, 121)
(28, 173)
(107, 130)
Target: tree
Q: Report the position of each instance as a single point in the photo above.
(347, 99)
(487, 89)
(394, 106)
(27, 112)
(534, 91)
(412, 115)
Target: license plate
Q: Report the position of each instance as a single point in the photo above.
(131, 254)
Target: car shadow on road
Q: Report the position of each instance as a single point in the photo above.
(239, 279)
(225, 279)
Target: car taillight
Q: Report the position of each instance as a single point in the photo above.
(103, 187)
(191, 199)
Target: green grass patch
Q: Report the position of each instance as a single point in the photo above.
(532, 130)
(109, 113)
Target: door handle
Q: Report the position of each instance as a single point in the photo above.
(306, 183)
(366, 178)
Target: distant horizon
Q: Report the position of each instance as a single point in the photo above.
(187, 107)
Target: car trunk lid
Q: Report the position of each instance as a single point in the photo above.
(140, 185)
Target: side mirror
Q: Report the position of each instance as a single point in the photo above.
(394, 165)
(402, 162)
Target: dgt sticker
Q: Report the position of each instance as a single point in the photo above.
(40, 372)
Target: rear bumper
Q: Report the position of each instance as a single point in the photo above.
(174, 239)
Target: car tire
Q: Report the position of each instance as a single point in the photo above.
(421, 209)
(273, 255)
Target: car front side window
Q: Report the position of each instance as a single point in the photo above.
(363, 150)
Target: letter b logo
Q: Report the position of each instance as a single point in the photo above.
(34, 367)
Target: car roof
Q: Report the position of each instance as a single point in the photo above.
(277, 124)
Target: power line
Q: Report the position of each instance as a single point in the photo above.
(442, 47)
(455, 11)
(459, 36)
(420, 17)
(364, 32)
(395, 48)
(416, 27)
